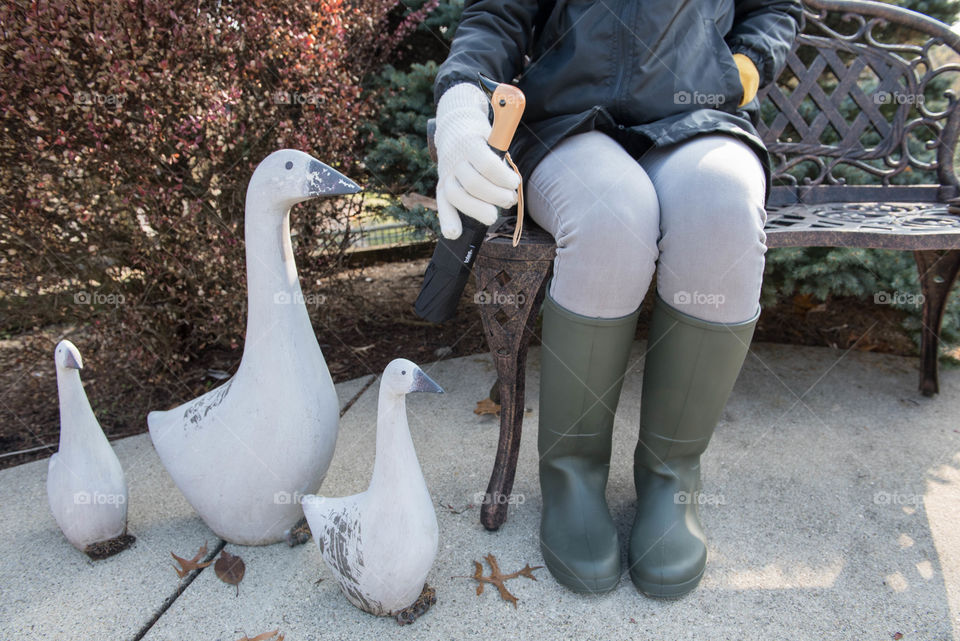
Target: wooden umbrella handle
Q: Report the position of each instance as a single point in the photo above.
(508, 103)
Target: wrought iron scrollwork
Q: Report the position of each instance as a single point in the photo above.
(890, 225)
(849, 100)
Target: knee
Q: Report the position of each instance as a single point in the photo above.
(607, 256)
(602, 209)
(723, 229)
(713, 242)
(712, 195)
(617, 233)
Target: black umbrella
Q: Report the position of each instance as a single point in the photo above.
(452, 261)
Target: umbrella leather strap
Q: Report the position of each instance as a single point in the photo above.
(518, 229)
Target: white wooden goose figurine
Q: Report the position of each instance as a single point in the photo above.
(85, 484)
(381, 544)
(245, 452)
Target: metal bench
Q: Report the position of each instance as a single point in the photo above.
(847, 108)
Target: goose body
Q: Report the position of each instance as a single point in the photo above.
(85, 483)
(243, 453)
(381, 544)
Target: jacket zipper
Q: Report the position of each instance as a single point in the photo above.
(623, 61)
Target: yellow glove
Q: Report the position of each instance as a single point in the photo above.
(749, 77)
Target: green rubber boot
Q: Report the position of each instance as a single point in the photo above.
(583, 361)
(691, 366)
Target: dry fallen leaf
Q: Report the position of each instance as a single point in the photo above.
(230, 569)
(189, 565)
(453, 510)
(263, 637)
(898, 635)
(499, 579)
(802, 303)
(487, 406)
(413, 199)
(862, 343)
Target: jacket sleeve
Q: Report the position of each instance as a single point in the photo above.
(764, 31)
(492, 38)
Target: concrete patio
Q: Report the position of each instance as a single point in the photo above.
(831, 501)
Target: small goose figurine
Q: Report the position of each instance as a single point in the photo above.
(244, 452)
(85, 484)
(381, 544)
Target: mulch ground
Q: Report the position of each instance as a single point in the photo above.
(374, 325)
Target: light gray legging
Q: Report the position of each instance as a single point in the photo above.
(694, 207)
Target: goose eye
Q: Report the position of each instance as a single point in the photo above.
(289, 165)
(403, 372)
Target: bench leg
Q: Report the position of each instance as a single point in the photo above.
(938, 271)
(516, 291)
(510, 384)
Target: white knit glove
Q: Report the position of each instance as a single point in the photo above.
(472, 178)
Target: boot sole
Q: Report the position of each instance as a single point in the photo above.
(661, 591)
(582, 586)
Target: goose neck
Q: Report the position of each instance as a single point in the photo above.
(396, 460)
(77, 421)
(273, 286)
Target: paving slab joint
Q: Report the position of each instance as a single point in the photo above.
(181, 588)
(356, 397)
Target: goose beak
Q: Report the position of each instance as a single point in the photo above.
(423, 383)
(73, 360)
(325, 181)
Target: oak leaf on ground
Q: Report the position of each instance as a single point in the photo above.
(487, 406)
(499, 579)
(189, 565)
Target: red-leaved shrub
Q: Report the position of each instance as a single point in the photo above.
(129, 131)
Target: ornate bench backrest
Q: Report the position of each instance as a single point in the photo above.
(865, 99)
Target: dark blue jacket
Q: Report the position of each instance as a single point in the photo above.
(647, 72)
